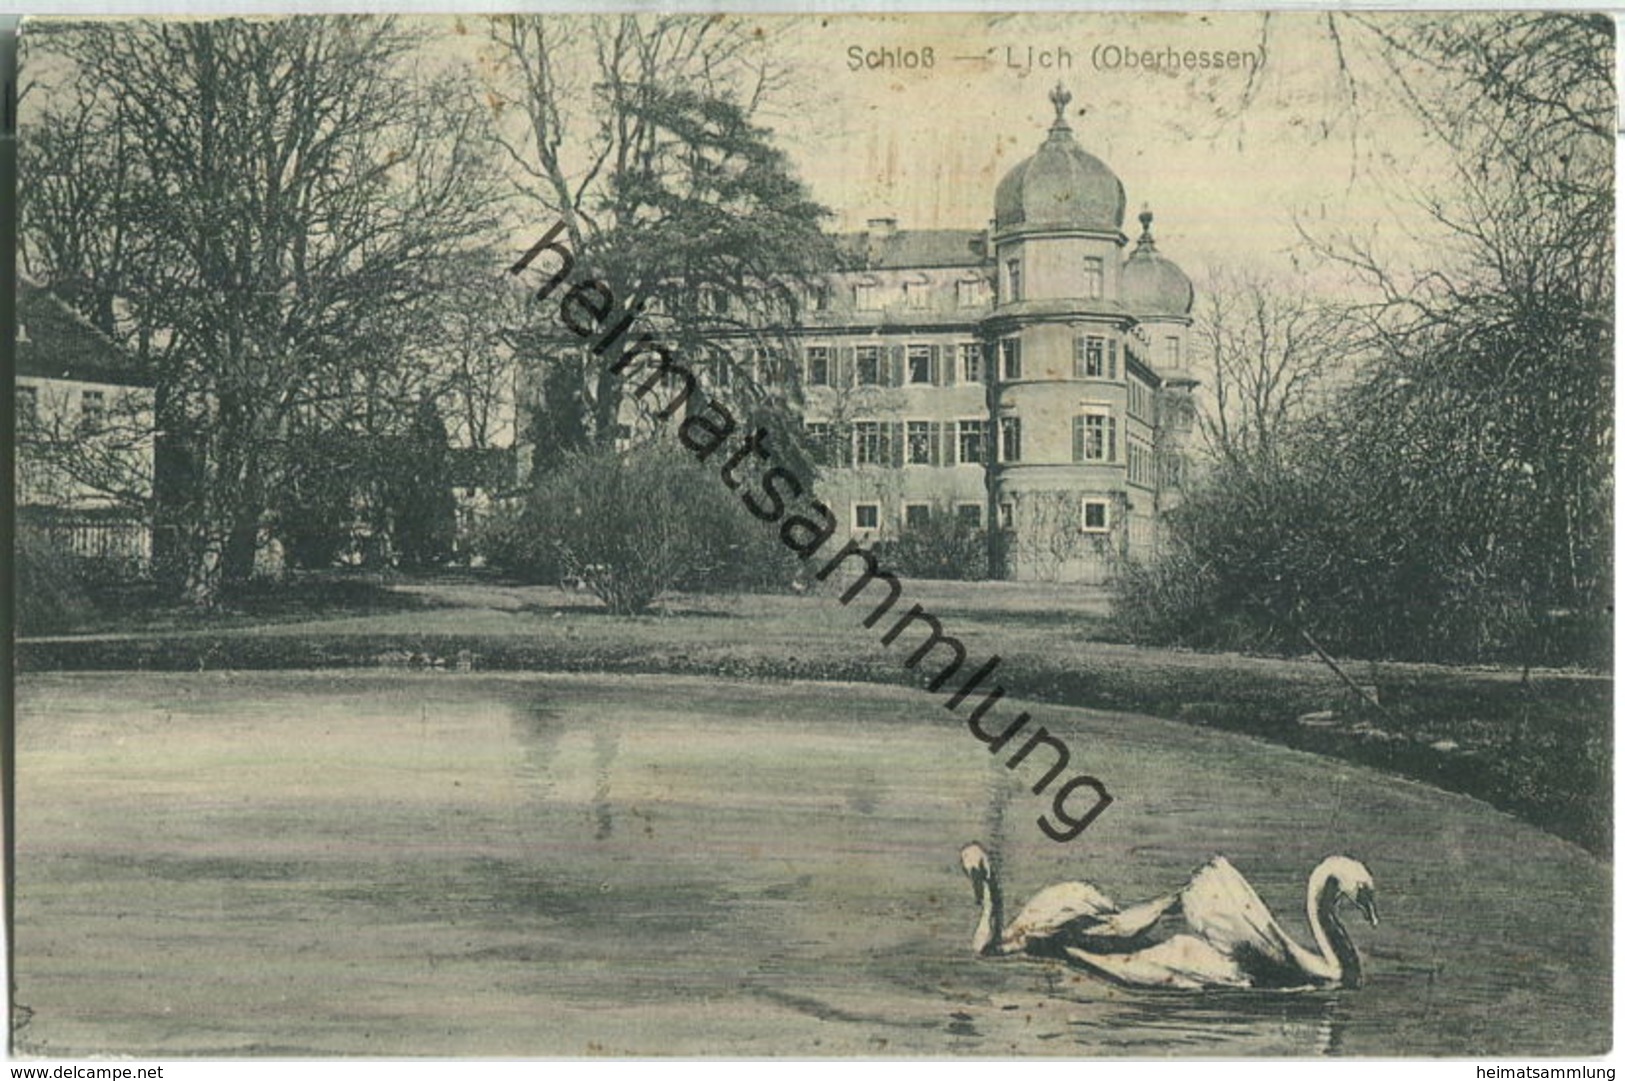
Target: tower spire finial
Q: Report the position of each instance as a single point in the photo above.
(1146, 242)
(1060, 97)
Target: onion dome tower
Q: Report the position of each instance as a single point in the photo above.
(1153, 286)
(1160, 296)
(1058, 341)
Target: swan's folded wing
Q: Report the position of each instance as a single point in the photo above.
(1183, 961)
(1059, 906)
(1135, 920)
(1222, 907)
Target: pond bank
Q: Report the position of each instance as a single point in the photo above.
(1540, 749)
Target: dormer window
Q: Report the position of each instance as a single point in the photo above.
(917, 294)
(866, 296)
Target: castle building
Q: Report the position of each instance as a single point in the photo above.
(1030, 379)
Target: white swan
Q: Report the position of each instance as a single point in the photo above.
(1234, 940)
(1065, 914)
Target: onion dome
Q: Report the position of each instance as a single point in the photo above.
(1153, 285)
(1061, 186)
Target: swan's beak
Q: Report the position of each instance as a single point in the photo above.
(1368, 904)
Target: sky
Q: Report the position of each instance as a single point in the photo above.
(1233, 162)
(1229, 161)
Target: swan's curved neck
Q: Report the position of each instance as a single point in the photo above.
(991, 924)
(1336, 948)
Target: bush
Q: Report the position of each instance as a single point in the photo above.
(509, 540)
(944, 546)
(1262, 552)
(50, 594)
(632, 525)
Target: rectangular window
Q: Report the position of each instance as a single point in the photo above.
(866, 296)
(1012, 279)
(771, 368)
(1170, 351)
(92, 410)
(1007, 516)
(1094, 278)
(1139, 463)
(818, 366)
(917, 448)
(1010, 358)
(819, 442)
(818, 297)
(970, 514)
(1096, 516)
(919, 364)
(972, 439)
(869, 443)
(970, 362)
(916, 294)
(866, 515)
(1094, 438)
(916, 515)
(1173, 471)
(1009, 439)
(1089, 358)
(868, 365)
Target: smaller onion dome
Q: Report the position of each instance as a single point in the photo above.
(1153, 285)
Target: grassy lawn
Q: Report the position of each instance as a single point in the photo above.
(1540, 748)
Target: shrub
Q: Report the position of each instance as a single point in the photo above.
(635, 524)
(50, 594)
(508, 539)
(944, 546)
(1262, 552)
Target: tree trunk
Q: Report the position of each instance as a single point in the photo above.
(241, 544)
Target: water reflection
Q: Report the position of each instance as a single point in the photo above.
(537, 730)
(862, 917)
(1219, 1023)
(997, 781)
(606, 744)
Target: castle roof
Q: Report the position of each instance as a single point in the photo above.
(1061, 186)
(1153, 285)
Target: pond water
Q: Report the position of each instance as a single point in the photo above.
(455, 864)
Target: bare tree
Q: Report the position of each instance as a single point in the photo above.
(1270, 355)
(286, 203)
(665, 183)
